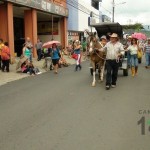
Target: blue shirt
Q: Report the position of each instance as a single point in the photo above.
(55, 53)
(77, 51)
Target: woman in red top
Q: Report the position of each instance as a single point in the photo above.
(5, 57)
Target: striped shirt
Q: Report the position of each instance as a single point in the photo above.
(147, 48)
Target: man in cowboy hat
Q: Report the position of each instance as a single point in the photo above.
(114, 50)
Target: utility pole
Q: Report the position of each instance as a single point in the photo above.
(52, 27)
(113, 10)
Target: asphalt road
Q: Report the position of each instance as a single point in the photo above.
(63, 112)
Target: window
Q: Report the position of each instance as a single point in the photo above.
(95, 4)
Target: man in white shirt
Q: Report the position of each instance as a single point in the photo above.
(114, 50)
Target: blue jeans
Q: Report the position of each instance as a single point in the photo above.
(129, 58)
(134, 60)
(147, 56)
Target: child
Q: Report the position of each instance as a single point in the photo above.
(5, 56)
(28, 67)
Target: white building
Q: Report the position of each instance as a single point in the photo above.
(146, 27)
(79, 17)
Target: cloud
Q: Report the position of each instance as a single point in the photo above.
(135, 11)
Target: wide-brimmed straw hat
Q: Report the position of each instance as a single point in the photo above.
(114, 35)
(129, 37)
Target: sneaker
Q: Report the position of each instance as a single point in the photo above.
(113, 86)
(38, 73)
(107, 87)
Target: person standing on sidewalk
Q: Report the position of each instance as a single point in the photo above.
(77, 52)
(147, 54)
(133, 48)
(114, 50)
(5, 54)
(29, 46)
(38, 47)
(1, 46)
(27, 52)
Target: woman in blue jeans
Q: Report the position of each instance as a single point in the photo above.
(133, 48)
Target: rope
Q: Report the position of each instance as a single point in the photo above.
(117, 59)
(100, 56)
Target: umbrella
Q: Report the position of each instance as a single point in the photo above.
(21, 61)
(139, 36)
(49, 44)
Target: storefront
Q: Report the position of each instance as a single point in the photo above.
(75, 35)
(32, 18)
(78, 19)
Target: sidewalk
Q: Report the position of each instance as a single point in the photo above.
(13, 75)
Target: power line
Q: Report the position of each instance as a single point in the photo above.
(106, 10)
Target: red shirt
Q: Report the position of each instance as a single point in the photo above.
(5, 53)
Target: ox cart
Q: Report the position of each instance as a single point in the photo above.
(106, 29)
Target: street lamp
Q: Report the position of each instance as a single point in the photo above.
(113, 8)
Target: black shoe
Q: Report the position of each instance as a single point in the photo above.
(80, 67)
(107, 87)
(76, 68)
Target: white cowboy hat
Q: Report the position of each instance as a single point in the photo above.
(114, 35)
(103, 37)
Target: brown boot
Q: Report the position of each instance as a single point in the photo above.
(136, 69)
(133, 71)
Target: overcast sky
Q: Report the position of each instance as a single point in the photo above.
(132, 11)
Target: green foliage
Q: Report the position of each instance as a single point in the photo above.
(137, 26)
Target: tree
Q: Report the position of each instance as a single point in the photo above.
(137, 27)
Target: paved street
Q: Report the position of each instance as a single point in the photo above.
(63, 112)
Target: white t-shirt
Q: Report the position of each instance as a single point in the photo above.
(133, 49)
